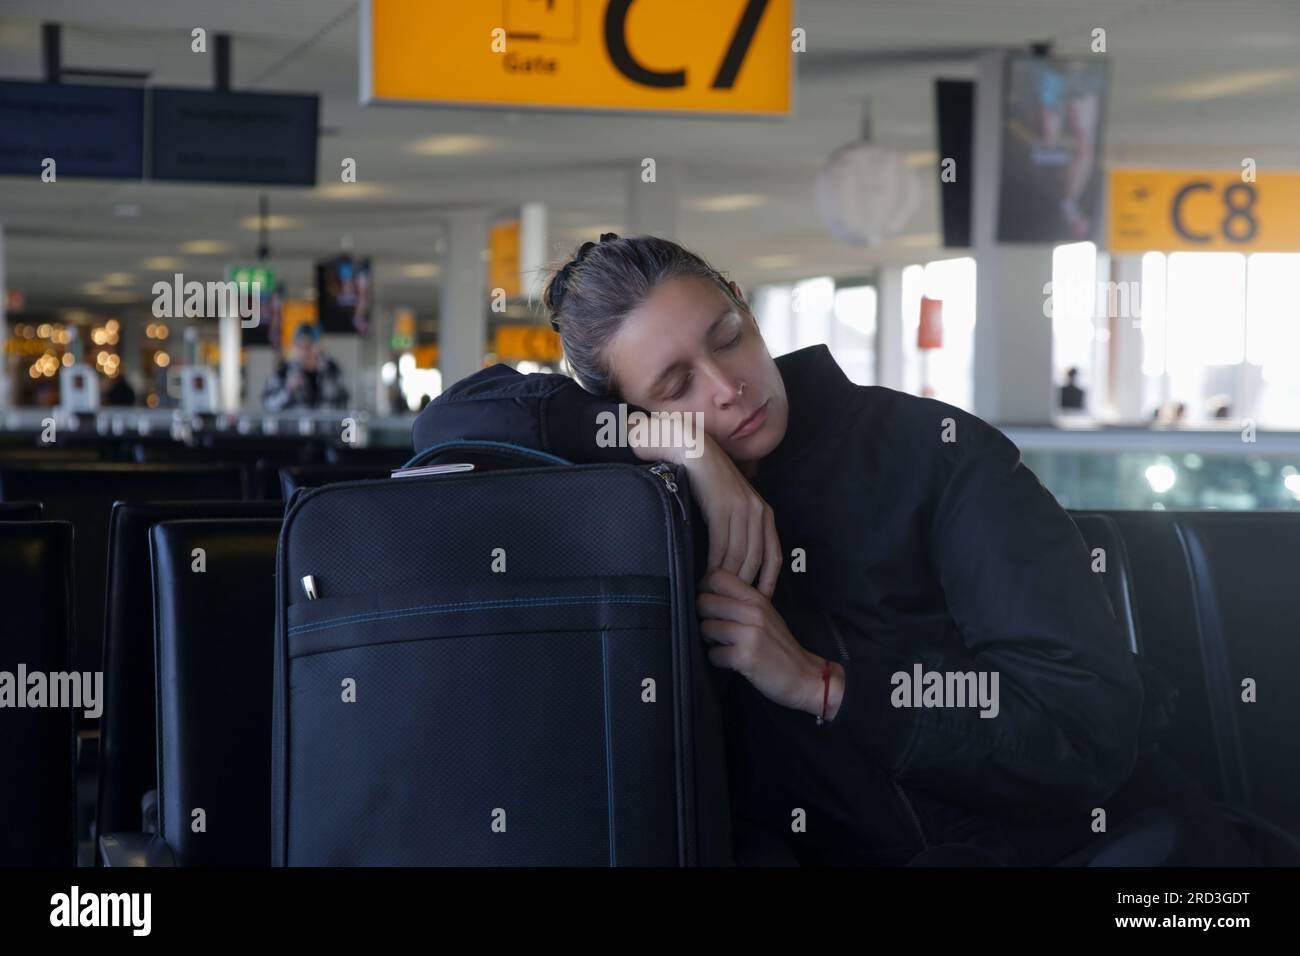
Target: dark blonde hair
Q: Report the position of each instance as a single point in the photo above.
(591, 295)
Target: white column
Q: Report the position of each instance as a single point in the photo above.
(1126, 343)
(463, 305)
(1013, 338)
(533, 259)
(228, 338)
(889, 327)
(652, 207)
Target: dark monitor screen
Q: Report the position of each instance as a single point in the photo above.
(344, 295)
(90, 131)
(954, 102)
(221, 137)
(1052, 178)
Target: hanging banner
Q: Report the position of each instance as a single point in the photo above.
(726, 57)
(929, 334)
(1179, 210)
(503, 258)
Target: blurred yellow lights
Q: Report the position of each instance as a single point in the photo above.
(156, 330)
(43, 330)
(113, 326)
(451, 144)
(67, 359)
(99, 336)
(162, 359)
(205, 247)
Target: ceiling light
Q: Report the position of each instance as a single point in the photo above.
(1227, 84)
(350, 191)
(118, 278)
(735, 202)
(421, 270)
(773, 262)
(272, 222)
(451, 144)
(205, 247)
(162, 263)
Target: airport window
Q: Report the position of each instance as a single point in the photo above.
(1220, 337)
(814, 311)
(1079, 333)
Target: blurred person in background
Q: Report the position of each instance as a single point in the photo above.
(309, 378)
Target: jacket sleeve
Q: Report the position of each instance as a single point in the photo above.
(544, 411)
(1018, 581)
(276, 395)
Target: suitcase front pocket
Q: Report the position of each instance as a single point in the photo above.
(498, 722)
(499, 605)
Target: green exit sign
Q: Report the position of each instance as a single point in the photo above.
(250, 274)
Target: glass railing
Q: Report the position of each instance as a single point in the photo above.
(1151, 469)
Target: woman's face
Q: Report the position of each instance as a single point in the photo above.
(687, 348)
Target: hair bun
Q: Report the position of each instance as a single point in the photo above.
(606, 236)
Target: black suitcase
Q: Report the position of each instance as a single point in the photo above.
(498, 667)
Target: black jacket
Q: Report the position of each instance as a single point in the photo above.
(924, 540)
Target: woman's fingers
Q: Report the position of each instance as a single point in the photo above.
(718, 631)
(772, 554)
(737, 546)
(723, 656)
(754, 555)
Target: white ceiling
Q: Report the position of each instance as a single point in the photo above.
(1193, 82)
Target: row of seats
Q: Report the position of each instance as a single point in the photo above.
(1204, 598)
(107, 508)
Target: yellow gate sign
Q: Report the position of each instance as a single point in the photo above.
(1168, 210)
(687, 56)
(536, 343)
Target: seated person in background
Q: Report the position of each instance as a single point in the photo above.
(1071, 394)
(307, 379)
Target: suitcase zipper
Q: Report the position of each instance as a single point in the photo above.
(665, 472)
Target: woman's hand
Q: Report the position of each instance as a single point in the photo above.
(754, 641)
(742, 526)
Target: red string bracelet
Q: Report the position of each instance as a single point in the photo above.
(826, 689)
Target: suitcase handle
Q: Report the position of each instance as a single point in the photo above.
(476, 450)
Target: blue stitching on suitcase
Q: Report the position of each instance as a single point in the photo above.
(480, 606)
(609, 757)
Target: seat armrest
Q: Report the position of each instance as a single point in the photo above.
(134, 849)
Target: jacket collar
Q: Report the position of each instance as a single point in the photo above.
(817, 390)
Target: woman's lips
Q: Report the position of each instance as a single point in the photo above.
(752, 423)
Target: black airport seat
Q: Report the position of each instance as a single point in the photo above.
(128, 755)
(1245, 571)
(21, 511)
(1165, 611)
(313, 476)
(37, 798)
(1101, 532)
(84, 495)
(375, 456)
(214, 636)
